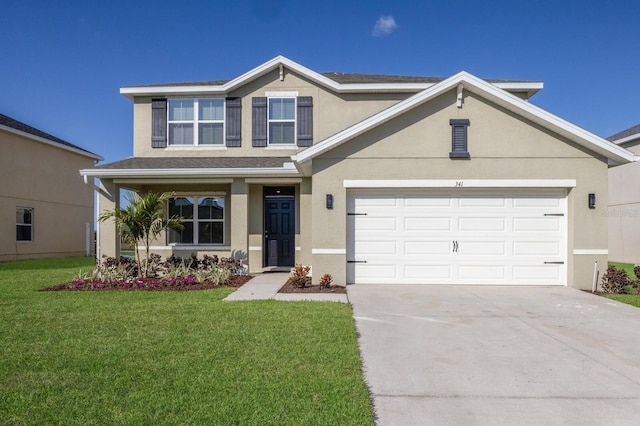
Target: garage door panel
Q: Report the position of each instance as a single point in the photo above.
(422, 248)
(537, 224)
(482, 248)
(427, 273)
(427, 224)
(371, 223)
(537, 248)
(462, 236)
(474, 272)
(373, 247)
(531, 274)
(481, 224)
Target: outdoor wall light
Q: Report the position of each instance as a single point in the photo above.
(329, 201)
(592, 200)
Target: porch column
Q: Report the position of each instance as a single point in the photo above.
(239, 214)
(108, 243)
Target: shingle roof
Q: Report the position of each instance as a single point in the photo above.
(342, 78)
(197, 163)
(635, 130)
(22, 127)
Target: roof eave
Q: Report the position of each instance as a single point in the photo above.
(55, 144)
(288, 170)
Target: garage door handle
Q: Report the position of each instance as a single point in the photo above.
(356, 214)
(455, 246)
(356, 261)
(554, 263)
(554, 214)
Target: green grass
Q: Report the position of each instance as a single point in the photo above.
(626, 266)
(170, 357)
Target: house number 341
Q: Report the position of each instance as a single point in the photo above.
(459, 184)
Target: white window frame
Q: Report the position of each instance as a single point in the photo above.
(294, 120)
(196, 221)
(196, 123)
(30, 225)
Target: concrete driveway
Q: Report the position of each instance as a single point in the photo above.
(475, 355)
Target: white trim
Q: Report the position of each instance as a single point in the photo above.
(631, 138)
(290, 94)
(273, 180)
(280, 61)
(298, 248)
(329, 251)
(255, 248)
(462, 183)
(200, 247)
(488, 91)
(282, 146)
(288, 169)
(211, 147)
(50, 142)
(591, 251)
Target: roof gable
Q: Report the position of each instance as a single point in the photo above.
(466, 81)
(624, 137)
(17, 127)
(337, 82)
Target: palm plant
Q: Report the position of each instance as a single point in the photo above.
(142, 220)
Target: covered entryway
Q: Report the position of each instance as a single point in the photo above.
(457, 237)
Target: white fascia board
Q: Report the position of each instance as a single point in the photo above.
(51, 143)
(460, 184)
(487, 91)
(377, 119)
(627, 139)
(150, 173)
(547, 120)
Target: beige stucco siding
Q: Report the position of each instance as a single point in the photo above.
(45, 178)
(502, 146)
(623, 213)
(332, 112)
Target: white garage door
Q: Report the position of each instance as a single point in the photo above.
(472, 237)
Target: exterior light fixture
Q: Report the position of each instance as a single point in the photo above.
(329, 201)
(592, 200)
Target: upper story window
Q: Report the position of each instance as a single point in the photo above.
(24, 224)
(196, 121)
(282, 121)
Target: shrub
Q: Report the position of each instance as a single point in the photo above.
(325, 281)
(615, 280)
(636, 271)
(299, 275)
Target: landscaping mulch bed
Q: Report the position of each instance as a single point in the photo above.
(235, 281)
(308, 288)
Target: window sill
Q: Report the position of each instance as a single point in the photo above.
(459, 155)
(196, 148)
(208, 247)
(282, 147)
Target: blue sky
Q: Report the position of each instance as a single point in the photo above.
(63, 62)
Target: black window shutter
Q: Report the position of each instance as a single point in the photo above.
(305, 121)
(233, 122)
(158, 123)
(459, 148)
(259, 124)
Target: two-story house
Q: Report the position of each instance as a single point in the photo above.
(46, 210)
(371, 178)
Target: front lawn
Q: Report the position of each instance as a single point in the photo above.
(141, 357)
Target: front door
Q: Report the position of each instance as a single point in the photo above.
(279, 226)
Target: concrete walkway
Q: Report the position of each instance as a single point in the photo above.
(266, 286)
(485, 355)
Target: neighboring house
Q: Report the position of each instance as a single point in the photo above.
(46, 210)
(371, 178)
(624, 202)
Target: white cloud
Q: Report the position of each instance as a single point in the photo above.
(384, 26)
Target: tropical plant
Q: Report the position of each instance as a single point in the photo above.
(326, 280)
(299, 275)
(142, 220)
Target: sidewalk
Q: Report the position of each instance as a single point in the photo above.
(266, 286)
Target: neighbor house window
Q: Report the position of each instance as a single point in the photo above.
(202, 218)
(24, 224)
(196, 121)
(282, 121)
